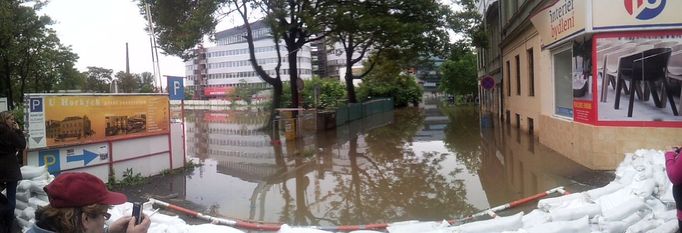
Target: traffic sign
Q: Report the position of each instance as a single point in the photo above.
(176, 88)
(488, 82)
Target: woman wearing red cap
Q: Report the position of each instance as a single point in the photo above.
(78, 204)
(11, 141)
(673, 166)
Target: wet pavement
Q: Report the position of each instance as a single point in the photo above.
(427, 163)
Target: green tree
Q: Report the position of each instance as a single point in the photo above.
(147, 83)
(181, 25)
(245, 91)
(127, 83)
(189, 94)
(361, 26)
(467, 22)
(31, 56)
(388, 80)
(459, 75)
(97, 79)
(330, 92)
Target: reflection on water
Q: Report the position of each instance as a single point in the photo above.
(427, 163)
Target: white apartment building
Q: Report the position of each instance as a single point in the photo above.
(216, 70)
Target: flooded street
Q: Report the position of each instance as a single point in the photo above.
(426, 163)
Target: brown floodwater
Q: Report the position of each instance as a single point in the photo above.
(419, 163)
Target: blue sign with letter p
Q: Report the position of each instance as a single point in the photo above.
(176, 88)
(35, 104)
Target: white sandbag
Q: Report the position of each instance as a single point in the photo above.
(655, 205)
(670, 226)
(23, 222)
(287, 229)
(615, 199)
(23, 196)
(634, 218)
(625, 175)
(23, 186)
(534, 218)
(660, 176)
(666, 215)
(29, 213)
(163, 228)
(510, 223)
(594, 194)
(30, 172)
(644, 226)
(575, 212)
(643, 188)
(646, 172)
(41, 177)
(166, 219)
(613, 227)
(21, 205)
(626, 163)
(212, 228)
(640, 161)
(625, 209)
(558, 202)
(667, 196)
(37, 186)
(619, 226)
(581, 225)
(42, 196)
(34, 203)
(414, 226)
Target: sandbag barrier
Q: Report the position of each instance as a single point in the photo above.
(492, 211)
(379, 226)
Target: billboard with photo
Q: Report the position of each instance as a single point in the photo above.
(637, 78)
(581, 81)
(57, 120)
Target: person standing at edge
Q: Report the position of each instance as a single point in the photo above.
(78, 204)
(673, 166)
(11, 141)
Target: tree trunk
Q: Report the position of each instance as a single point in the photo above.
(293, 75)
(23, 77)
(8, 82)
(276, 102)
(350, 89)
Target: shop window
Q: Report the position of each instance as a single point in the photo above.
(531, 73)
(563, 89)
(518, 75)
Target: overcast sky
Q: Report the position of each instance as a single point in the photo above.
(97, 31)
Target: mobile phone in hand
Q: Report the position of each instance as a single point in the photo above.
(137, 212)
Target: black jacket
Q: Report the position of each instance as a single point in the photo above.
(11, 141)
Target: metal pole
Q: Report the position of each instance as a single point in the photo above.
(155, 54)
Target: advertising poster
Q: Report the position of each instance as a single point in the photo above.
(581, 80)
(635, 14)
(70, 157)
(80, 119)
(638, 78)
(562, 19)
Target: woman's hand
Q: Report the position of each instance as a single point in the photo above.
(139, 228)
(127, 225)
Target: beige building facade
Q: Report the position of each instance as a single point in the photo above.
(589, 85)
